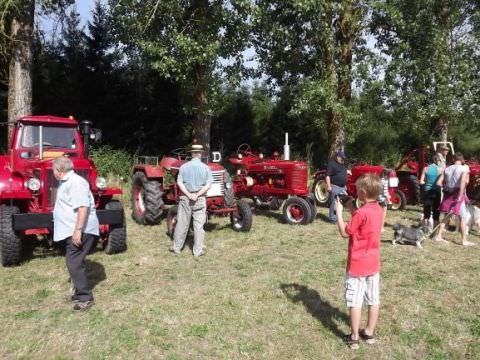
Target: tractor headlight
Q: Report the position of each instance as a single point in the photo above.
(101, 182)
(228, 185)
(33, 184)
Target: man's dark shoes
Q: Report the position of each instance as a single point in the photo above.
(82, 305)
(369, 339)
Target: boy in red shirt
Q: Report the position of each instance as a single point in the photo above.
(363, 263)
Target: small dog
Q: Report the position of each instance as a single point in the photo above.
(473, 217)
(411, 235)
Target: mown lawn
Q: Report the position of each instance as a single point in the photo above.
(273, 293)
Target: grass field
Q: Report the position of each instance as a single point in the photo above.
(273, 293)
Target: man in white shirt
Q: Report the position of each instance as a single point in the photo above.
(75, 221)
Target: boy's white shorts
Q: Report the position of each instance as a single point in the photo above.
(362, 289)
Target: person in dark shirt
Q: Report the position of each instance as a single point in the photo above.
(336, 182)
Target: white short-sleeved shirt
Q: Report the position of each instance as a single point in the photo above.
(453, 175)
(73, 192)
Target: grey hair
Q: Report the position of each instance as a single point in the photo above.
(63, 164)
(436, 158)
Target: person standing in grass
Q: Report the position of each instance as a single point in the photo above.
(362, 281)
(194, 179)
(336, 180)
(75, 221)
(431, 191)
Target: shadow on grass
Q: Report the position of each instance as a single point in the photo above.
(315, 305)
(95, 272)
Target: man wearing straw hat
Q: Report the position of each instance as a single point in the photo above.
(194, 179)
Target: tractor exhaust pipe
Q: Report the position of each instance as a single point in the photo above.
(286, 149)
(86, 130)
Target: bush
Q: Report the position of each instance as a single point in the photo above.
(112, 162)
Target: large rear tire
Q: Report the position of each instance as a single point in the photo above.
(411, 185)
(117, 237)
(147, 202)
(296, 211)
(398, 201)
(10, 242)
(241, 220)
(320, 192)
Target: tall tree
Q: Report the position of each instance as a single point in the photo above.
(193, 42)
(429, 77)
(312, 43)
(21, 63)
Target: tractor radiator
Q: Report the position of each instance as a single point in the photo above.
(218, 186)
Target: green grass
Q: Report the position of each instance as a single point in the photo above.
(273, 293)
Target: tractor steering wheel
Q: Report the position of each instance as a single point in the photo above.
(180, 153)
(244, 149)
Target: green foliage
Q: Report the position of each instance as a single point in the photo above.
(111, 161)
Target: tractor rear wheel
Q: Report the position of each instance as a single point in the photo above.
(10, 242)
(172, 220)
(398, 201)
(117, 237)
(412, 186)
(241, 219)
(296, 211)
(147, 200)
(319, 190)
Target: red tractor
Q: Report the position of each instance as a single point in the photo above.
(154, 184)
(270, 181)
(28, 187)
(397, 197)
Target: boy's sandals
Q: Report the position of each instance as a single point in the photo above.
(369, 339)
(352, 344)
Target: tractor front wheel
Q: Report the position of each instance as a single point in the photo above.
(242, 218)
(296, 211)
(147, 200)
(320, 191)
(10, 242)
(117, 237)
(398, 201)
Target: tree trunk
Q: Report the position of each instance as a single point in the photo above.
(202, 120)
(441, 128)
(335, 125)
(21, 64)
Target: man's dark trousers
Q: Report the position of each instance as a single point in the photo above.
(75, 257)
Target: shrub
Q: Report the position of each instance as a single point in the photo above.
(112, 162)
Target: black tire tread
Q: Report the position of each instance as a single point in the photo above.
(10, 242)
(117, 238)
(247, 217)
(153, 200)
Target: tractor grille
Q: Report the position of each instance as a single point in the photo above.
(218, 186)
(299, 179)
(52, 185)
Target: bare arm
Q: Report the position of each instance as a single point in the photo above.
(463, 185)
(82, 213)
(422, 177)
(440, 179)
(329, 184)
(340, 223)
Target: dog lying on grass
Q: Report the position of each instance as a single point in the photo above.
(412, 235)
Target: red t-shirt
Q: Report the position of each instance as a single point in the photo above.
(364, 244)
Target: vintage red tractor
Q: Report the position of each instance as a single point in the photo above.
(28, 187)
(272, 181)
(397, 197)
(154, 185)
